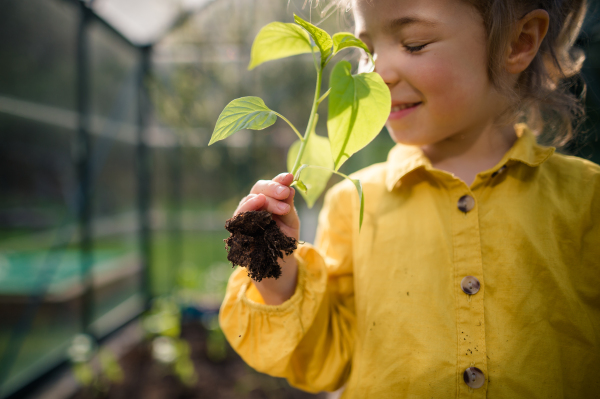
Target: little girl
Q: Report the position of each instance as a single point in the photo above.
(477, 269)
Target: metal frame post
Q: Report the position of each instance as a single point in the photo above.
(144, 175)
(84, 168)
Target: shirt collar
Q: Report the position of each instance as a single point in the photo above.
(404, 159)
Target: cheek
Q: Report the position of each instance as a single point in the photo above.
(451, 87)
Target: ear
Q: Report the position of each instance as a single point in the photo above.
(529, 33)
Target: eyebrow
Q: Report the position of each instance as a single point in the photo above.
(400, 23)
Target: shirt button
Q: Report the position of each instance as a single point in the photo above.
(466, 203)
(474, 377)
(470, 285)
(501, 170)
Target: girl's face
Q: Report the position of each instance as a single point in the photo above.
(432, 55)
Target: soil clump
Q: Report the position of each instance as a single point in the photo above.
(256, 242)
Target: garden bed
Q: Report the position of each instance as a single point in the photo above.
(223, 379)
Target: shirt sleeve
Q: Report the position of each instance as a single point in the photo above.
(309, 338)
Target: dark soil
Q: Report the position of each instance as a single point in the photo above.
(256, 242)
(227, 378)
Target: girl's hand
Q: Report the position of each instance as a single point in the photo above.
(277, 197)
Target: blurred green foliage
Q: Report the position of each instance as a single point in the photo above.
(96, 370)
(162, 324)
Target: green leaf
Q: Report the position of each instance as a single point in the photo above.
(242, 113)
(356, 182)
(278, 40)
(344, 40)
(317, 153)
(321, 38)
(359, 106)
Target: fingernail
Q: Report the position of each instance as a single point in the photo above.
(283, 206)
(280, 190)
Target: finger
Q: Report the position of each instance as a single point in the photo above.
(271, 189)
(260, 202)
(291, 218)
(251, 202)
(284, 178)
(275, 206)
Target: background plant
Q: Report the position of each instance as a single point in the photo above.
(163, 326)
(357, 110)
(96, 370)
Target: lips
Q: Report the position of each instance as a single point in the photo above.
(402, 109)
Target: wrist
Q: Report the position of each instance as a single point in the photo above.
(277, 291)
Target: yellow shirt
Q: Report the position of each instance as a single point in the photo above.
(383, 310)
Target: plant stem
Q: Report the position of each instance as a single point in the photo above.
(311, 121)
(324, 96)
(290, 123)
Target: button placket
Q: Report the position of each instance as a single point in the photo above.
(469, 289)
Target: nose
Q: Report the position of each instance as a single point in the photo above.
(386, 68)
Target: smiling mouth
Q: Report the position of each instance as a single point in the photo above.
(400, 107)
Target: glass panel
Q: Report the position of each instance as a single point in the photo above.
(117, 261)
(166, 255)
(39, 39)
(37, 188)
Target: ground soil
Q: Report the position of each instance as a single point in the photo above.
(256, 242)
(229, 378)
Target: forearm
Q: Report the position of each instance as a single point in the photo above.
(277, 291)
(295, 339)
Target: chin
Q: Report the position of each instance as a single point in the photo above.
(408, 137)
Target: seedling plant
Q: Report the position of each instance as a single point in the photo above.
(358, 105)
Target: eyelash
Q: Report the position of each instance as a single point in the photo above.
(410, 49)
(415, 49)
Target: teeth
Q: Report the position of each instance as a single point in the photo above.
(403, 106)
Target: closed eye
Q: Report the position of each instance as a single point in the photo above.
(415, 49)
